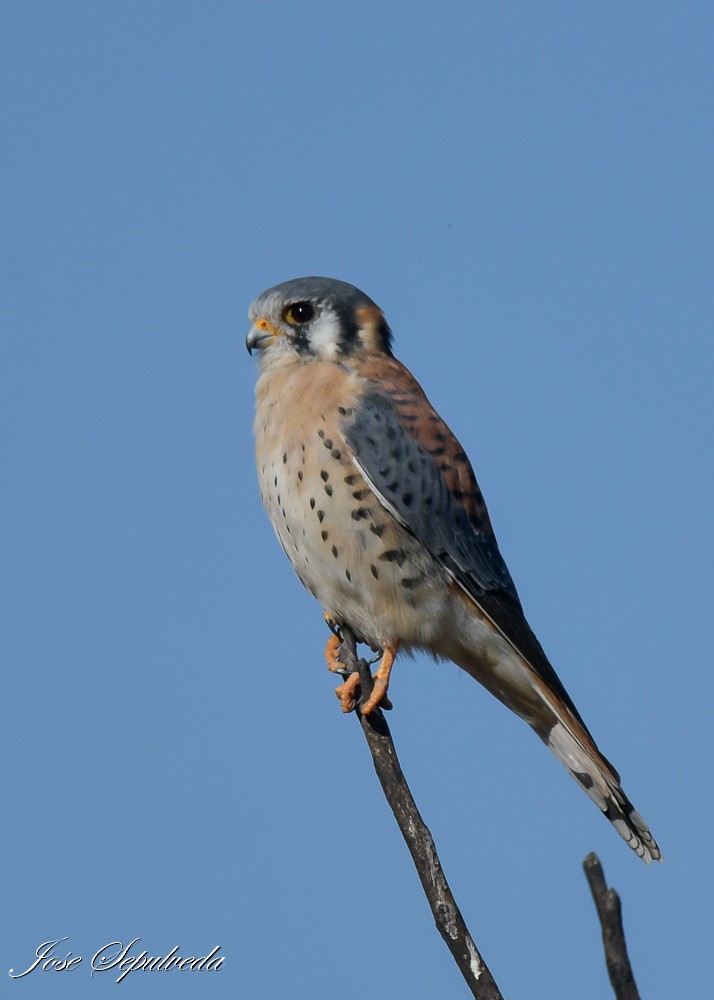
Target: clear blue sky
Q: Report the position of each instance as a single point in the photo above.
(526, 190)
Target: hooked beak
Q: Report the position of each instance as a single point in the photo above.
(260, 334)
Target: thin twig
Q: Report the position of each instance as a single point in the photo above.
(447, 915)
(609, 910)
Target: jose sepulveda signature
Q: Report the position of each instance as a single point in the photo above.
(119, 957)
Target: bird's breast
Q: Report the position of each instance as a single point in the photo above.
(347, 549)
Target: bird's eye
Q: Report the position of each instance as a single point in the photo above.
(300, 313)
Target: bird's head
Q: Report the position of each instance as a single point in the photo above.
(316, 319)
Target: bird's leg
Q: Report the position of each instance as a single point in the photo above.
(332, 653)
(381, 679)
(332, 649)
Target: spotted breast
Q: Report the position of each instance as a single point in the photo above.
(345, 547)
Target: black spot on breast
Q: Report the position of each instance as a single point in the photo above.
(359, 512)
(334, 551)
(394, 555)
(275, 481)
(299, 476)
(312, 503)
(377, 529)
(328, 442)
(321, 433)
(336, 454)
(410, 582)
(324, 476)
(279, 504)
(320, 516)
(324, 535)
(360, 494)
(351, 480)
(328, 490)
(348, 575)
(285, 458)
(374, 571)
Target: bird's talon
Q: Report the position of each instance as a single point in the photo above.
(379, 692)
(347, 693)
(381, 680)
(332, 654)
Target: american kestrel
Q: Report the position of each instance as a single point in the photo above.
(376, 505)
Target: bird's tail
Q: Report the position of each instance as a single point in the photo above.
(564, 733)
(601, 783)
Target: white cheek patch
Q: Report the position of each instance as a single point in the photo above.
(324, 336)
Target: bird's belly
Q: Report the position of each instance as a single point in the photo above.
(348, 550)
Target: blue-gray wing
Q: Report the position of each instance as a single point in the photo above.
(422, 475)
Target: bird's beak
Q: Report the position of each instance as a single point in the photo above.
(260, 334)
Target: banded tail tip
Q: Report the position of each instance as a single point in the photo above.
(633, 830)
(601, 783)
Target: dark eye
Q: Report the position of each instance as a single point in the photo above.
(300, 313)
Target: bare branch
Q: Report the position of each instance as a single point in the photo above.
(447, 915)
(609, 910)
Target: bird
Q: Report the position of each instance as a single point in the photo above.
(376, 506)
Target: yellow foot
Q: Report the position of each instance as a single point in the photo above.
(332, 654)
(347, 692)
(381, 679)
